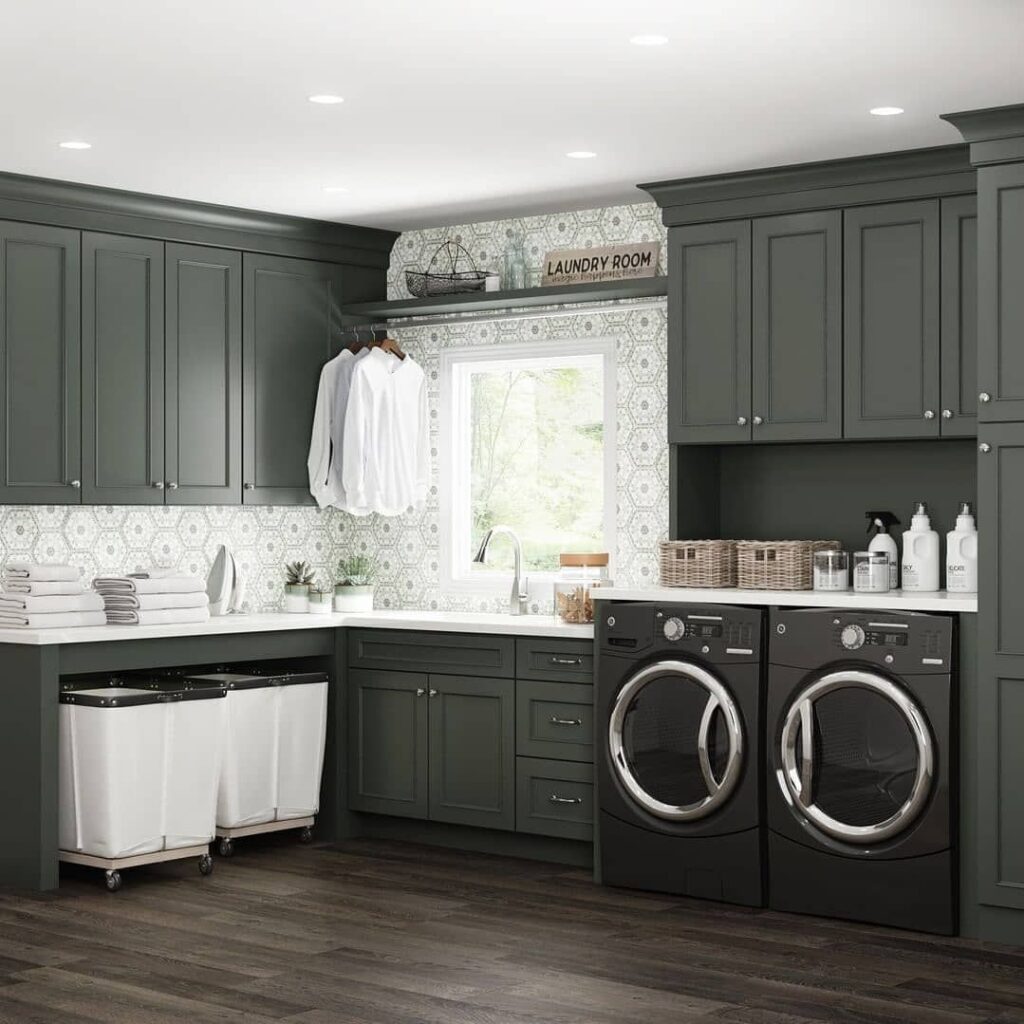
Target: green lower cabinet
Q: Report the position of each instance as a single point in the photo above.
(555, 720)
(388, 743)
(555, 798)
(472, 751)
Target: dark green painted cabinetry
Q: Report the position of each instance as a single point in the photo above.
(891, 308)
(959, 317)
(40, 365)
(290, 311)
(122, 370)
(203, 406)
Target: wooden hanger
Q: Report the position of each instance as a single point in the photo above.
(385, 343)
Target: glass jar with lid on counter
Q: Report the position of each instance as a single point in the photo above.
(577, 576)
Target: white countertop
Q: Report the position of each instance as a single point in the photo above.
(267, 622)
(895, 600)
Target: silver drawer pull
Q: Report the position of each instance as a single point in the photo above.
(555, 720)
(556, 799)
(556, 660)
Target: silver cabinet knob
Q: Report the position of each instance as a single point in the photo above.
(249, 487)
(433, 692)
(420, 691)
(947, 414)
(75, 483)
(984, 447)
(758, 421)
(172, 485)
(158, 484)
(984, 397)
(741, 421)
(929, 414)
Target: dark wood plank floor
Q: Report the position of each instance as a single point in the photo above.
(387, 933)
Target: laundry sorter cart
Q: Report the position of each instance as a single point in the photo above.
(138, 771)
(275, 731)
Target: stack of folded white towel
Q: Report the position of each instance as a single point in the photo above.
(47, 596)
(156, 597)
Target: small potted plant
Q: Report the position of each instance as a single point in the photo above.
(354, 590)
(298, 578)
(319, 600)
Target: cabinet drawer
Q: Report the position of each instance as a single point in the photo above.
(555, 798)
(555, 720)
(450, 653)
(570, 661)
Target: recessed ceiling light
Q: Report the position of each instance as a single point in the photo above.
(326, 98)
(75, 144)
(650, 39)
(335, 188)
(886, 111)
(581, 154)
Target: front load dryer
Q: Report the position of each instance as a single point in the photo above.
(861, 748)
(679, 776)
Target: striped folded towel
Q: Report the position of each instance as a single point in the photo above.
(51, 620)
(44, 588)
(51, 603)
(149, 585)
(154, 602)
(20, 569)
(157, 616)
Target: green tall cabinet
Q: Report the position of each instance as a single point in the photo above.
(40, 365)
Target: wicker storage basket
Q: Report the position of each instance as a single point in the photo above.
(697, 563)
(778, 564)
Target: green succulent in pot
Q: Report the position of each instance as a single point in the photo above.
(354, 590)
(298, 579)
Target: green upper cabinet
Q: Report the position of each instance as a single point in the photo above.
(891, 312)
(797, 327)
(122, 370)
(709, 333)
(959, 317)
(203, 408)
(1001, 293)
(40, 365)
(289, 331)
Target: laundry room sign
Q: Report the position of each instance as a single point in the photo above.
(603, 263)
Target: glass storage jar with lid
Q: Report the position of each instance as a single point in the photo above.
(577, 576)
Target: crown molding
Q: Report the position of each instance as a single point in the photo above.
(995, 134)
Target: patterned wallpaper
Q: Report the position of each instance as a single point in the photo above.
(118, 539)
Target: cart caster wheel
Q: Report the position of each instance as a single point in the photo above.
(206, 864)
(306, 835)
(113, 881)
(225, 847)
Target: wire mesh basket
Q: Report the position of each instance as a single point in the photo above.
(424, 283)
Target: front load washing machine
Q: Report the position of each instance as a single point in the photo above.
(861, 790)
(678, 749)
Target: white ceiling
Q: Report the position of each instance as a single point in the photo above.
(464, 109)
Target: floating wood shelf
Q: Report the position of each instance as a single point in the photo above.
(496, 302)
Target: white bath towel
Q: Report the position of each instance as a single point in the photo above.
(51, 603)
(43, 588)
(19, 569)
(144, 585)
(51, 620)
(156, 617)
(154, 602)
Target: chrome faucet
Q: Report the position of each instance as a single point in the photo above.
(519, 598)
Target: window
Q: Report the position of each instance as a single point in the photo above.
(527, 441)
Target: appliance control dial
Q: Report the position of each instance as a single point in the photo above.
(852, 637)
(674, 629)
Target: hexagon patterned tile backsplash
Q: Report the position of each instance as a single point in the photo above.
(111, 539)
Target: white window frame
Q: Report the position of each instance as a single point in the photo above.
(453, 454)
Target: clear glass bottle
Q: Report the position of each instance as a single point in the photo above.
(515, 265)
(578, 575)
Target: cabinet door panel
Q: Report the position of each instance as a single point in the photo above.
(709, 333)
(891, 335)
(959, 317)
(388, 743)
(472, 751)
(204, 375)
(1001, 292)
(797, 327)
(40, 418)
(289, 332)
(122, 370)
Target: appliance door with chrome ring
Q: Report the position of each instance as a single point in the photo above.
(676, 742)
(855, 759)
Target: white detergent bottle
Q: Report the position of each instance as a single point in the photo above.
(879, 524)
(920, 553)
(962, 554)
